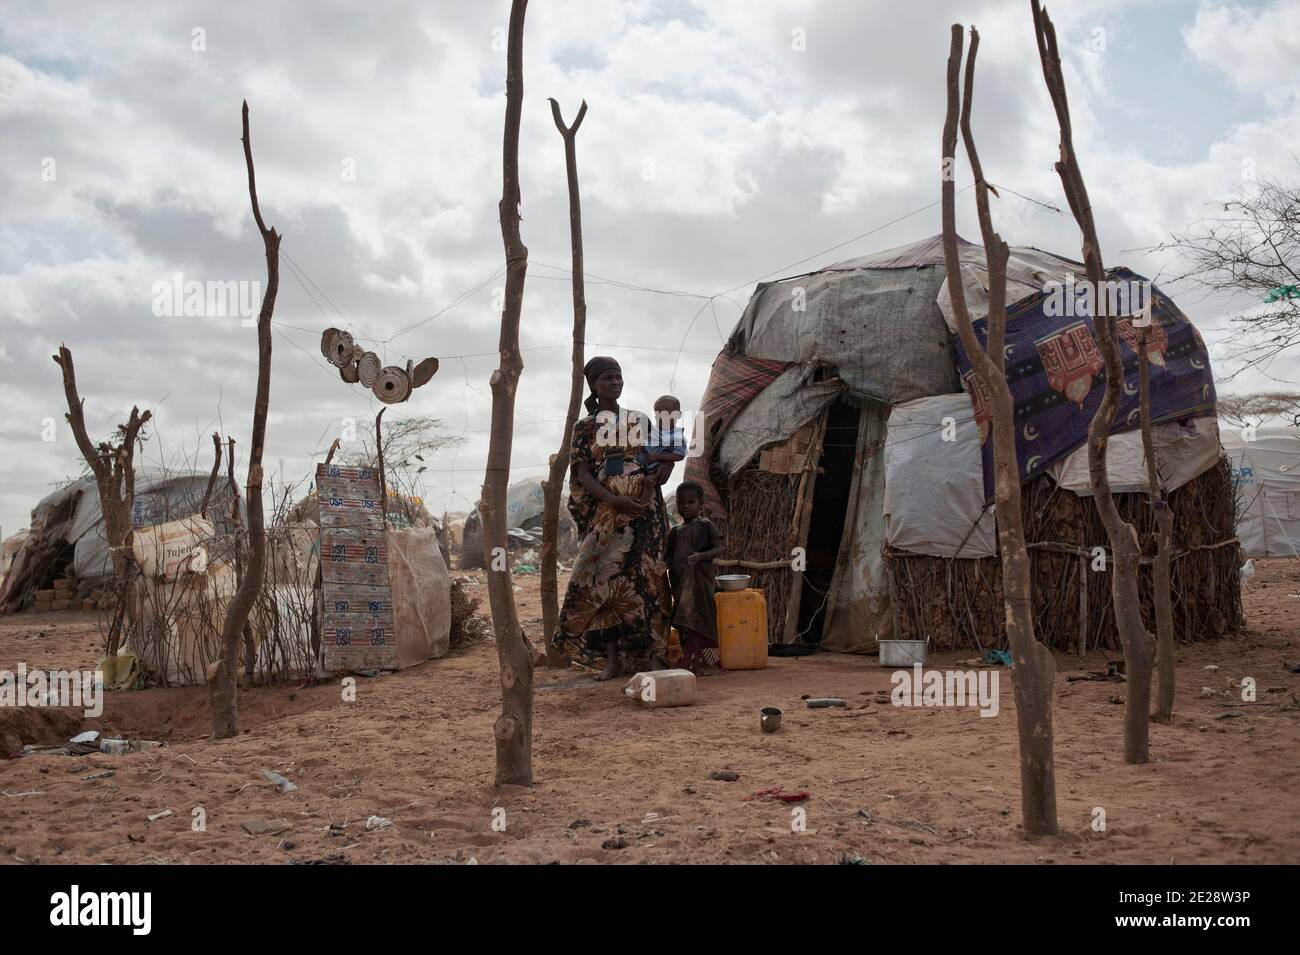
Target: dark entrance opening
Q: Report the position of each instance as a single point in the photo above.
(826, 524)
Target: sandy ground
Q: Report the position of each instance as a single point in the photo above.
(615, 783)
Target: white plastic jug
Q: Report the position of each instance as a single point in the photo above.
(655, 688)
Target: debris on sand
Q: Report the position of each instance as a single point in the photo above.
(378, 822)
(281, 783)
(264, 827)
(724, 776)
(779, 794)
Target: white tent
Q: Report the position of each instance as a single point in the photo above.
(1266, 467)
(67, 530)
(160, 496)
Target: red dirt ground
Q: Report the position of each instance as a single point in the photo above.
(886, 784)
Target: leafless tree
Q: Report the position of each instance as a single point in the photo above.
(1254, 408)
(514, 727)
(113, 465)
(1125, 553)
(560, 460)
(408, 445)
(221, 676)
(1035, 668)
(1250, 247)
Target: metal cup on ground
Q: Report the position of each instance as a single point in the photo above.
(769, 719)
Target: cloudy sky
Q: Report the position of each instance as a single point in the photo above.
(726, 140)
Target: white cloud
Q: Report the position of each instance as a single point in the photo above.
(1257, 50)
(761, 154)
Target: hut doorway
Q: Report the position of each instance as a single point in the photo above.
(833, 490)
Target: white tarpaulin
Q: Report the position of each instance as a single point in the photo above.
(524, 502)
(170, 549)
(1266, 467)
(1029, 271)
(934, 480)
(160, 496)
(1183, 451)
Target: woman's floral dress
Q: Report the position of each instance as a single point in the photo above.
(618, 589)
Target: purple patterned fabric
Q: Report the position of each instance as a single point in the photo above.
(1057, 377)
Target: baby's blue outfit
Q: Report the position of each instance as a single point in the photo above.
(673, 441)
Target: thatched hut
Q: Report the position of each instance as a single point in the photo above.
(842, 443)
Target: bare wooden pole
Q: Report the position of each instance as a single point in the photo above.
(559, 463)
(1133, 635)
(800, 523)
(221, 675)
(514, 727)
(1165, 642)
(1083, 606)
(1035, 669)
(379, 456)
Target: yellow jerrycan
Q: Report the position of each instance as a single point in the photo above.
(742, 629)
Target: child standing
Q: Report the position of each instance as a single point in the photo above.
(691, 549)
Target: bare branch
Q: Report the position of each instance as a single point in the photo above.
(212, 478)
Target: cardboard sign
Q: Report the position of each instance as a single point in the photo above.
(357, 624)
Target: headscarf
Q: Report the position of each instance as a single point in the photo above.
(593, 370)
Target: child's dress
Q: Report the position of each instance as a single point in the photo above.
(694, 614)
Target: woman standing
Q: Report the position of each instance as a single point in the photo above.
(617, 605)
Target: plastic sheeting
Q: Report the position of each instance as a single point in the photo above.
(1266, 466)
(933, 496)
(786, 405)
(1182, 452)
(878, 327)
(160, 496)
(421, 595)
(1029, 270)
(878, 320)
(10, 548)
(170, 549)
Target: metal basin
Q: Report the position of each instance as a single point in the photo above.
(734, 581)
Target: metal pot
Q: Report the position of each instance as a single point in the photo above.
(769, 719)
